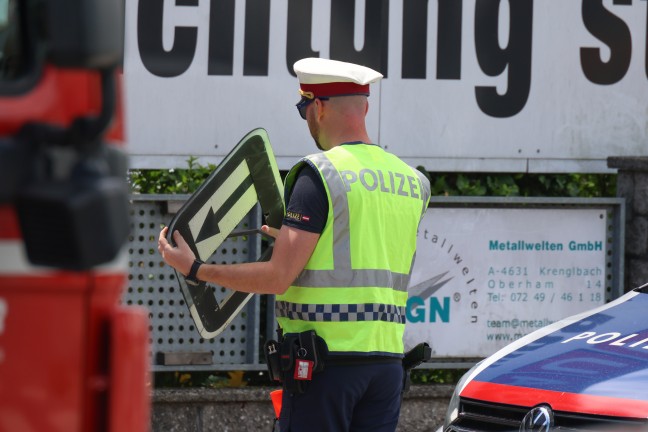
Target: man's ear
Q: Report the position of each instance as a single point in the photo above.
(320, 108)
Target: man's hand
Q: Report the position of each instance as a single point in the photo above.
(181, 257)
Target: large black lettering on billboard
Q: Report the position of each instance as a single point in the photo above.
(176, 61)
(514, 59)
(374, 52)
(611, 30)
(415, 26)
(257, 48)
(221, 38)
(300, 32)
(342, 28)
(511, 59)
(155, 58)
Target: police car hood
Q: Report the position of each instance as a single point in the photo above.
(595, 363)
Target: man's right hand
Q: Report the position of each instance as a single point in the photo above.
(272, 232)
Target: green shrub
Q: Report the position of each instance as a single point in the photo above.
(187, 180)
(522, 184)
(170, 181)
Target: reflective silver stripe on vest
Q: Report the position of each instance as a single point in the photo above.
(340, 312)
(337, 193)
(352, 278)
(343, 276)
(426, 189)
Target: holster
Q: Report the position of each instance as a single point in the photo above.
(414, 357)
(271, 351)
(297, 350)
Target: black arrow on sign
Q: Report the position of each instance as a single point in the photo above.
(210, 226)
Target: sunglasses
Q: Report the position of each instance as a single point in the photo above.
(303, 104)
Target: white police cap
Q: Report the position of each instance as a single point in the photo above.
(320, 77)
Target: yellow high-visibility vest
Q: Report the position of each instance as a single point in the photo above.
(353, 290)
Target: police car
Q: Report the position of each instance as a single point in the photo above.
(586, 372)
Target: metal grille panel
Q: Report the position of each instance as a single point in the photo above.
(153, 284)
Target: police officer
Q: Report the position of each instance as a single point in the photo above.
(342, 259)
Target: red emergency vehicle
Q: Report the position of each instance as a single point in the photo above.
(71, 357)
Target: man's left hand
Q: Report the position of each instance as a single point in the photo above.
(181, 257)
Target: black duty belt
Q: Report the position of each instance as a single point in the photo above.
(298, 356)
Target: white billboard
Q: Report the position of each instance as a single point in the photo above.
(471, 85)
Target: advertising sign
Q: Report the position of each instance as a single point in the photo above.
(484, 277)
(470, 85)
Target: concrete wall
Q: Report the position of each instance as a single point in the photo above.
(250, 409)
(632, 184)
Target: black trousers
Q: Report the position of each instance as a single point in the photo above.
(346, 398)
